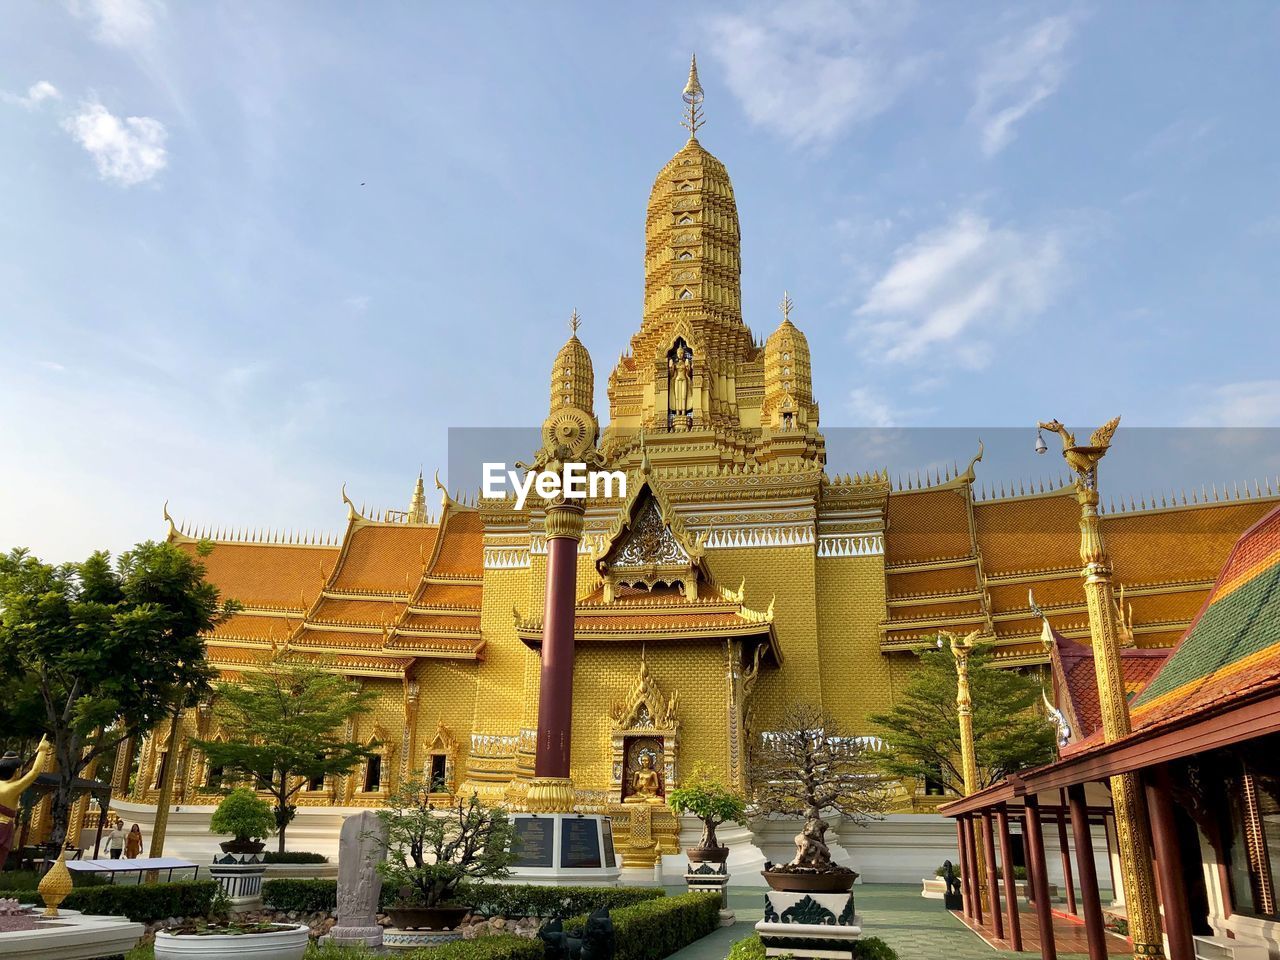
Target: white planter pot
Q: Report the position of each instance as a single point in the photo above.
(288, 944)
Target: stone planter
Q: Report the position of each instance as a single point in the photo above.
(932, 888)
(427, 918)
(809, 925)
(287, 944)
(240, 876)
(242, 846)
(834, 882)
(707, 854)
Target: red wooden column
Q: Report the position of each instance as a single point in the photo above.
(975, 881)
(1010, 881)
(1039, 876)
(1066, 853)
(1090, 900)
(555, 698)
(993, 884)
(962, 866)
(1164, 839)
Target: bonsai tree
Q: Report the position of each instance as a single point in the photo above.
(809, 766)
(704, 796)
(244, 815)
(431, 851)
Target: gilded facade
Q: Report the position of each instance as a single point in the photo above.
(735, 577)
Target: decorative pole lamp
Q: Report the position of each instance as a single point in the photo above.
(1132, 829)
(960, 649)
(553, 843)
(551, 790)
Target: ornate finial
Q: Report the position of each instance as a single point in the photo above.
(173, 527)
(645, 467)
(352, 513)
(692, 97)
(418, 503)
(575, 321)
(785, 306)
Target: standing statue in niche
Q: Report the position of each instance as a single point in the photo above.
(680, 385)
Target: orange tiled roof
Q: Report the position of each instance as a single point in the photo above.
(927, 525)
(383, 558)
(462, 549)
(270, 575)
(1076, 685)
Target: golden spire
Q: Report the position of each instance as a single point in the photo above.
(692, 97)
(785, 306)
(575, 322)
(418, 503)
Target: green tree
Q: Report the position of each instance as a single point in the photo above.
(107, 650)
(431, 851)
(244, 815)
(703, 795)
(923, 728)
(279, 725)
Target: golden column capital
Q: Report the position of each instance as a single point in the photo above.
(565, 520)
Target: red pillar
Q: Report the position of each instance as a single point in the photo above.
(1066, 853)
(1039, 876)
(1090, 900)
(975, 881)
(555, 697)
(962, 866)
(1010, 881)
(1164, 840)
(993, 884)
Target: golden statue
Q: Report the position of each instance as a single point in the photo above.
(11, 790)
(681, 371)
(1083, 461)
(646, 783)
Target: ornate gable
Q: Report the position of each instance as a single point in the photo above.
(649, 546)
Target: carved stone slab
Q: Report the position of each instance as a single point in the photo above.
(362, 845)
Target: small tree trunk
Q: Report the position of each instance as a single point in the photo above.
(60, 810)
(709, 841)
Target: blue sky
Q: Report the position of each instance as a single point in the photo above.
(985, 214)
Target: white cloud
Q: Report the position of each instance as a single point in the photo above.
(1016, 75)
(129, 150)
(811, 70)
(950, 286)
(37, 93)
(1249, 403)
(120, 23)
(51, 365)
(869, 409)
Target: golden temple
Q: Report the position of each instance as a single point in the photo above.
(735, 577)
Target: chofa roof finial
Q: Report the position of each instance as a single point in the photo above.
(692, 96)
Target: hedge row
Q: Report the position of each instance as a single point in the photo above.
(533, 900)
(304, 895)
(293, 856)
(865, 948)
(658, 928)
(141, 903)
(505, 946)
(488, 899)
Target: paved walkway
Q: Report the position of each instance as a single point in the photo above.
(918, 929)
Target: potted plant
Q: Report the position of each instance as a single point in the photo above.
(247, 817)
(704, 796)
(432, 851)
(808, 767)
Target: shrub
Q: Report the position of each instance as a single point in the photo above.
(18, 880)
(148, 902)
(655, 929)
(866, 948)
(293, 856)
(303, 895)
(532, 900)
(244, 815)
(506, 946)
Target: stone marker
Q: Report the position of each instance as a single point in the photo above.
(361, 846)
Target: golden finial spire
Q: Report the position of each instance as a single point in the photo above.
(785, 307)
(575, 321)
(692, 97)
(418, 503)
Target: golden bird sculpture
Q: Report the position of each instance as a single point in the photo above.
(1083, 460)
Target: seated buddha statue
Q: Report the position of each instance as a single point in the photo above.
(646, 782)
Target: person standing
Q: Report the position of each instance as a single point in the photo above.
(115, 839)
(133, 843)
